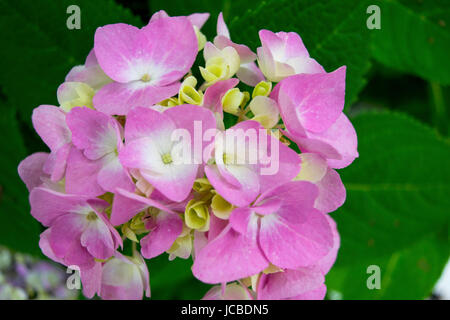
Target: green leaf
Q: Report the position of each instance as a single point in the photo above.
(39, 49)
(19, 230)
(174, 279)
(414, 38)
(333, 31)
(409, 273)
(397, 200)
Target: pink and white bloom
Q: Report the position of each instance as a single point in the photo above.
(235, 176)
(311, 107)
(124, 278)
(50, 124)
(248, 72)
(90, 73)
(146, 64)
(95, 168)
(282, 228)
(79, 230)
(283, 54)
(150, 147)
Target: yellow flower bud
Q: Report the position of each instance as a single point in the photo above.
(202, 185)
(265, 111)
(220, 64)
(188, 93)
(171, 102)
(196, 215)
(262, 89)
(220, 207)
(127, 232)
(75, 94)
(201, 39)
(232, 100)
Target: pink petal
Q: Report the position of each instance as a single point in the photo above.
(50, 123)
(316, 294)
(119, 98)
(30, 169)
(338, 144)
(91, 279)
(48, 205)
(290, 246)
(166, 229)
(81, 175)
(332, 192)
(318, 99)
(113, 175)
(93, 131)
(250, 74)
(213, 94)
(126, 205)
(229, 257)
(327, 262)
(126, 53)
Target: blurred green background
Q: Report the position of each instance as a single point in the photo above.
(398, 97)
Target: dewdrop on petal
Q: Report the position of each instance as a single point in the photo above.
(75, 94)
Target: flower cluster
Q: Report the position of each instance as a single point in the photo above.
(146, 159)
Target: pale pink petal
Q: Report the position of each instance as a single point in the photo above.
(222, 28)
(233, 291)
(50, 123)
(332, 192)
(316, 294)
(250, 74)
(198, 19)
(93, 131)
(327, 262)
(113, 175)
(91, 279)
(98, 240)
(289, 283)
(30, 169)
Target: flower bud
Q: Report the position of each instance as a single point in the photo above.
(75, 94)
(196, 215)
(262, 89)
(188, 94)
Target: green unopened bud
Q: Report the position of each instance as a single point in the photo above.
(220, 207)
(196, 215)
(262, 89)
(127, 232)
(202, 185)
